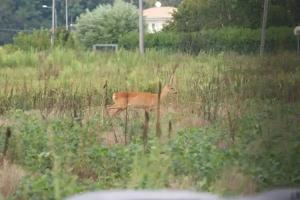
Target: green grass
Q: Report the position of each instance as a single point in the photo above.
(235, 122)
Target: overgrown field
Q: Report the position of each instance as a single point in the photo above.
(232, 128)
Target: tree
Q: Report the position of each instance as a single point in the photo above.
(106, 23)
(194, 15)
(29, 14)
(151, 3)
(21, 14)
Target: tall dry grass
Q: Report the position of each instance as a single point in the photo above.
(10, 177)
(60, 95)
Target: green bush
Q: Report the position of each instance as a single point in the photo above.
(265, 148)
(194, 153)
(64, 38)
(159, 40)
(106, 23)
(49, 185)
(243, 40)
(10, 57)
(268, 144)
(129, 40)
(162, 40)
(40, 40)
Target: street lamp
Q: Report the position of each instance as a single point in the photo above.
(54, 20)
(66, 5)
(55, 14)
(263, 28)
(141, 27)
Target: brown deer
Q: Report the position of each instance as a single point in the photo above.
(141, 100)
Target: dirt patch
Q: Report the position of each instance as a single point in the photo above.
(5, 122)
(233, 181)
(10, 177)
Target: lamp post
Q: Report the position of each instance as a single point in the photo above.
(141, 27)
(67, 27)
(55, 15)
(263, 28)
(54, 21)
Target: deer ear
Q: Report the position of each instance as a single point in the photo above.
(105, 84)
(173, 74)
(171, 80)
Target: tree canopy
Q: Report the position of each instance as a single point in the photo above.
(194, 15)
(106, 23)
(28, 14)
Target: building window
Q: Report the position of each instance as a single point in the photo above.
(153, 27)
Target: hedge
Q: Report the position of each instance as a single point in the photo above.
(40, 40)
(243, 40)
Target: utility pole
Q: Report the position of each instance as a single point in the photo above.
(53, 23)
(263, 28)
(67, 26)
(141, 27)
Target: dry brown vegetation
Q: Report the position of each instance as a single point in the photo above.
(232, 128)
(10, 177)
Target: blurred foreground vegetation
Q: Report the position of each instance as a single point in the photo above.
(235, 122)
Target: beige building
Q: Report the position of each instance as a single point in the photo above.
(157, 17)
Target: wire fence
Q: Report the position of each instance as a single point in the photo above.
(7, 34)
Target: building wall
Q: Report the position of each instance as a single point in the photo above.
(155, 25)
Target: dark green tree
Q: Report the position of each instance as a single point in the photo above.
(194, 15)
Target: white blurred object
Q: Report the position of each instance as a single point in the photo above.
(279, 194)
(158, 4)
(297, 30)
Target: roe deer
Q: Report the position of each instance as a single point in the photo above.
(140, 100)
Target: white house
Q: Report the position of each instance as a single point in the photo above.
(157, 17)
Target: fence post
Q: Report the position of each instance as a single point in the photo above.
(6, 143)
(170, 129)
(298, 44)
(145, 132)
(126, 117)
(158, 129)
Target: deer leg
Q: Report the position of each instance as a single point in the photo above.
(114, 110)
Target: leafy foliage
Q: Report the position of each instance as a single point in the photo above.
(194, 153)
(106, 23)
(195, 15)
(29, 14)
(160, 40)
(243, 40)
(257, 152)
(39, 40)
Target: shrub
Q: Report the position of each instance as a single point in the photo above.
(194, 153)
(106, 23)
(159, 40)
(49, 185)
(38, 39)
(9, 57)
(64, 38)
(129, 40)
(243, 40)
